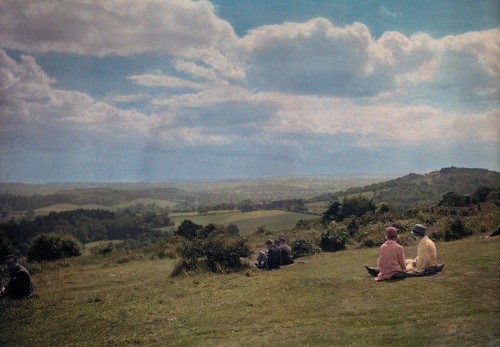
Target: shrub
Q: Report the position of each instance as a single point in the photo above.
(217, 253)
(352, 206)
(302, 247)
(456, 230)
(52, 247)
(103, 248)
(334, 238)
(371, 235)
(188, 229)
(164, 249)
(5, 247)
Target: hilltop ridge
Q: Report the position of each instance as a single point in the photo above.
(421, 190)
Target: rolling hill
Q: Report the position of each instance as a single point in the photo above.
(421, 190)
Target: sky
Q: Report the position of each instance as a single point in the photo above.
(127, 90)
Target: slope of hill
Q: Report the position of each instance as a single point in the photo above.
(420, 190)
(324, 300)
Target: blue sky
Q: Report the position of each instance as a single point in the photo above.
(176, 89)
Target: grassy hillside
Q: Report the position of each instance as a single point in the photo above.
(323, 300)
(422, 190)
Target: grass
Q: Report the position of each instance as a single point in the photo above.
(324, 300)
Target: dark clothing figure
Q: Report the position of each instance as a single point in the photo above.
(274, 257)
(20, 285)
(286, 255)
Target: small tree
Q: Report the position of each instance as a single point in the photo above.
(233, 229)
(188, 229)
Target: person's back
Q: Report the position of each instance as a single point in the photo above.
(286, 253)
(391, 260)
(426, 254)
(274, 256)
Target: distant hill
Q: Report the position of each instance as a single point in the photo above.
(420, 190)
(21, 196)
(408, 191)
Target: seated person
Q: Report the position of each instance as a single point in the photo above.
(286, 252)
(426, 259)
(391, 260)
(20, 285)
(270, 259)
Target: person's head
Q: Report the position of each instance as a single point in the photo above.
(269, 243)
(277, 242)
(418, 230)
(282, 241)
(11, 261)
(391, 233)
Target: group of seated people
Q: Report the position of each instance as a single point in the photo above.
(278, 253)
(392, 263)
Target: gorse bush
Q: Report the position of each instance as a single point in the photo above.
(53, 246)
(217, 253)
(456, 230)
(302, 247)
(334, 238)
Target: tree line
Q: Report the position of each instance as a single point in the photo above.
(83, 225)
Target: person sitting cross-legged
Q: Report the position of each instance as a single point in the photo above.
(286, 252)
(271, 258)
(20, 286)
(391, 260)
(426, 261)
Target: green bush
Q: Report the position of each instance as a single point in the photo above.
(456, 230)
(54, 246)
(302, 247)
(218, 253)
(334, 238)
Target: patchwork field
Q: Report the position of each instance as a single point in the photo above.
(247, 222)
(323, 300)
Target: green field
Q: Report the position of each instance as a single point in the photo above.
(323, 300)
(247, 222)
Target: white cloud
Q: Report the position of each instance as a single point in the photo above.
(165, 81)
(115, 98)
(112, 27)
(36, 115)
(318, 58)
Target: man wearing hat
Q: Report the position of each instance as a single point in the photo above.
(391, 260)
(426, 251)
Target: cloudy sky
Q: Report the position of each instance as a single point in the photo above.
(127, 90)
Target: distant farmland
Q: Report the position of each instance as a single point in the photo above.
(247, 222)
